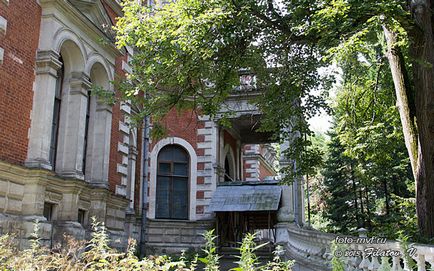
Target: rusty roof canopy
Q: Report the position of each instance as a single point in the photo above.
(246, 198)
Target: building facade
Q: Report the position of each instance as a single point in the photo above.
(67, 156)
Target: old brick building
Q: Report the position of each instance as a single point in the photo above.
(66, 156)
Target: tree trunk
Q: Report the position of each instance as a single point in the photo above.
(356, 206)
(386, 196)
(419, 144)
(402, 92)
(422, 51)
(368, 211)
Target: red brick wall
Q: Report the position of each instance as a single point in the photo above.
(116, 136)
(264, 171)
(17, 76)
(111, 13)
(115, 155)
(183, 124)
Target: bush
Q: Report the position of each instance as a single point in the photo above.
(96, 254)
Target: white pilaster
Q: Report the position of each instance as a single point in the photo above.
(47, 64)
(98, 149)
(72, 127)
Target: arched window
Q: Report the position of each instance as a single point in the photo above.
(172, 183)
(229, 169)
(56, 115)
(228, 177)
(86, 130)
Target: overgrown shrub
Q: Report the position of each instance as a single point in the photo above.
(96, 254)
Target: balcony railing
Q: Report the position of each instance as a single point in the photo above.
(312, 250)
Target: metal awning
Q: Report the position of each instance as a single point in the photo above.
(245, 198)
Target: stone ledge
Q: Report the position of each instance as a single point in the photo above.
(126, 68)
(2, 54)
(122, 148)
(122, 169)
(124, 127)
(3, 25)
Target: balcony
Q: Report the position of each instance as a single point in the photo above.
(243, 114)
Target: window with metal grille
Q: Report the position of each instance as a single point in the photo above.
(172, 183)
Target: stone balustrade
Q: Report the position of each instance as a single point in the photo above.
(312, 251)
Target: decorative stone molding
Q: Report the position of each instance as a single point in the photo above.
(311, 249)
(48, 62)
(79, 84)
(53, 197)
(26, 191)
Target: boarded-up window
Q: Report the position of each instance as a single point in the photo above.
(172, 183)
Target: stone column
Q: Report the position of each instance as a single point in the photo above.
(98, 204)
(32, 211)
(221, 153)
(238, 161)
(295, 208)
(67, 218)
(72, 127)
(98, 151)
(47, 65)
(286, 211)
(298, 189)
(33, 199)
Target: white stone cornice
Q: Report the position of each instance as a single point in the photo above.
(51, 9)
(79, 84)
(102, 106)
(48, 62)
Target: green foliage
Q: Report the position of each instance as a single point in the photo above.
(405, 246)
(188, 55)
(212, 259)
(367, 175)
(337, 261)
(98, 255)
(309, 157)
(248, 261)
(277, 263)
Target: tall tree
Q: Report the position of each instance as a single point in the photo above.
(367, 158)
(190, 51)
